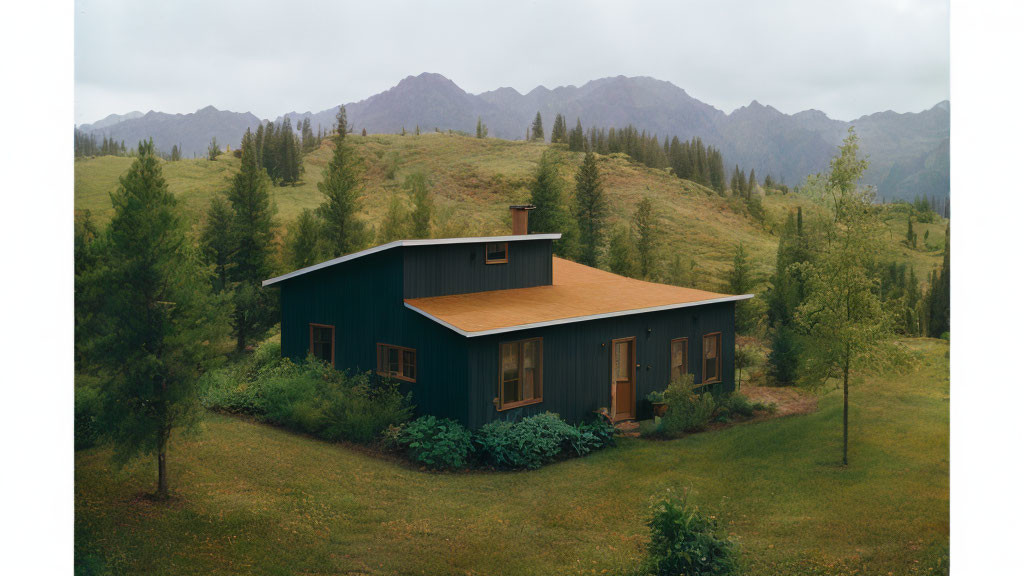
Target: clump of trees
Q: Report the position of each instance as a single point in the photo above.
(87, 145)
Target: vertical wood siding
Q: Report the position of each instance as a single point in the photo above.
(577, 361)
(443, 269)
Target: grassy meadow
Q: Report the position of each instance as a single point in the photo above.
(251, 498)
(474, 181)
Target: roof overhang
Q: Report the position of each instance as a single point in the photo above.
(572, 319)
(398, 243)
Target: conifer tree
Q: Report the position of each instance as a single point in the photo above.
(157, 320)
(343, 231)
(547, 193)
(590, 209)
(252, 241)
(645, 227)
(481, 128)
(740, 280)
(216, 242)
(537, 130)
(213, 150)
(622, 253)
(423, 205)
(175, 153)
(558, 130)
(751, 184)
(938, 297)
(302, 247)
(395, 225)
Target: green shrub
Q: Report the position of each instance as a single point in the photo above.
(685, 541)
(736, 404)
(366, 413)
(687, 411)
(437, 443)
(656, 397)
(593, 435)
(86, 411)
(529, 443)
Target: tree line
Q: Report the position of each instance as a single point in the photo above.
(86, 145)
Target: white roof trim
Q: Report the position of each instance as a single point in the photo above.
(578, 318)
(397, 243)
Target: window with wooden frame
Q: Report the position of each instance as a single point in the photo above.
(520, 381)
(496, 253)
(712, 358)
(396, 362)
(678, 357)
(321, 342)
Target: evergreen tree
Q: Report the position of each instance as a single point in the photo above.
(645, 227)
(481, 128)
(740, 280)
(938, 297)
(622, 253)
(395, 225)
(216, 242)
(343, 231)
(559, 133)
(157, 319)
(547, 193)
(911, 235)
(423, 205)
(213, 150)
(751, 184)
(537, 130)
(302, 248)
(175, 153)
(576, 138)
(590, 209)
(252, 241)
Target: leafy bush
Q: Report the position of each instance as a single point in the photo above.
(687, 411)
(538, 440)
(593, 435)
(437, 443)
(310, 396)
(685, 541)
(656, 397)
(736, 404)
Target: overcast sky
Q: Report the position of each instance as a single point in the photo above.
(847, 58)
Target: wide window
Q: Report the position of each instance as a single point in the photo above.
(321, 342)
(497, 253)
(678, 358)
(396, 362)
(712, 357)
(521, 373)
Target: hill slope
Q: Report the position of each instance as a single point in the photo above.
(475, 180)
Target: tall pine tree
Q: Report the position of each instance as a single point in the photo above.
(590, 208)
(343, 231)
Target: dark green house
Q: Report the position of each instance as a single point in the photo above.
(498, 327)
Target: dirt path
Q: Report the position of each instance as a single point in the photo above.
(787, 400)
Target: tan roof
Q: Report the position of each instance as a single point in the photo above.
(578, 293)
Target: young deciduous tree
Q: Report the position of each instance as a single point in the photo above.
(343, 231)
(395, 225)
(158, 318)
(842, 316)
(645, 226)
(590, 209)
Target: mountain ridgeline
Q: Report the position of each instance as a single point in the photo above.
(909, 152)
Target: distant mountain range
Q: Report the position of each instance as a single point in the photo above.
(909, 152)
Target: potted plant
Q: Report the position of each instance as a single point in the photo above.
(657, 400)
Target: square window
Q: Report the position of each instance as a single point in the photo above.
(496, 253)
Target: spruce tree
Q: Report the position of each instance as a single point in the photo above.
(423, 205)
(157, 322)
(213, 150)
(645, 227)
(302, 248)
(537, 130)
(252, 240)
(590, 209)
(216, 242)
(481, 128)
(740, 280)
(343, 231)
(547, 193)
(622, 253)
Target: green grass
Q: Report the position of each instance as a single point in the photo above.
(254, 499)
(475, 180)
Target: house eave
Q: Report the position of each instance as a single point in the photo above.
(573, 319)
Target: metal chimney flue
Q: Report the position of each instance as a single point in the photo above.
(520, 218)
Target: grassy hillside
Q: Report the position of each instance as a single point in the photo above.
(255, 499)
(475, 180)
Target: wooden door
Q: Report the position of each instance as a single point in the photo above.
(623, 379)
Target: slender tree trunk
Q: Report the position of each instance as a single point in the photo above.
(846, 407)
(161, 464)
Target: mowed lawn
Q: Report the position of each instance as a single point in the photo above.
(255, 499)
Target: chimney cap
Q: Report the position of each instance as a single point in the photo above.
(522, 207)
